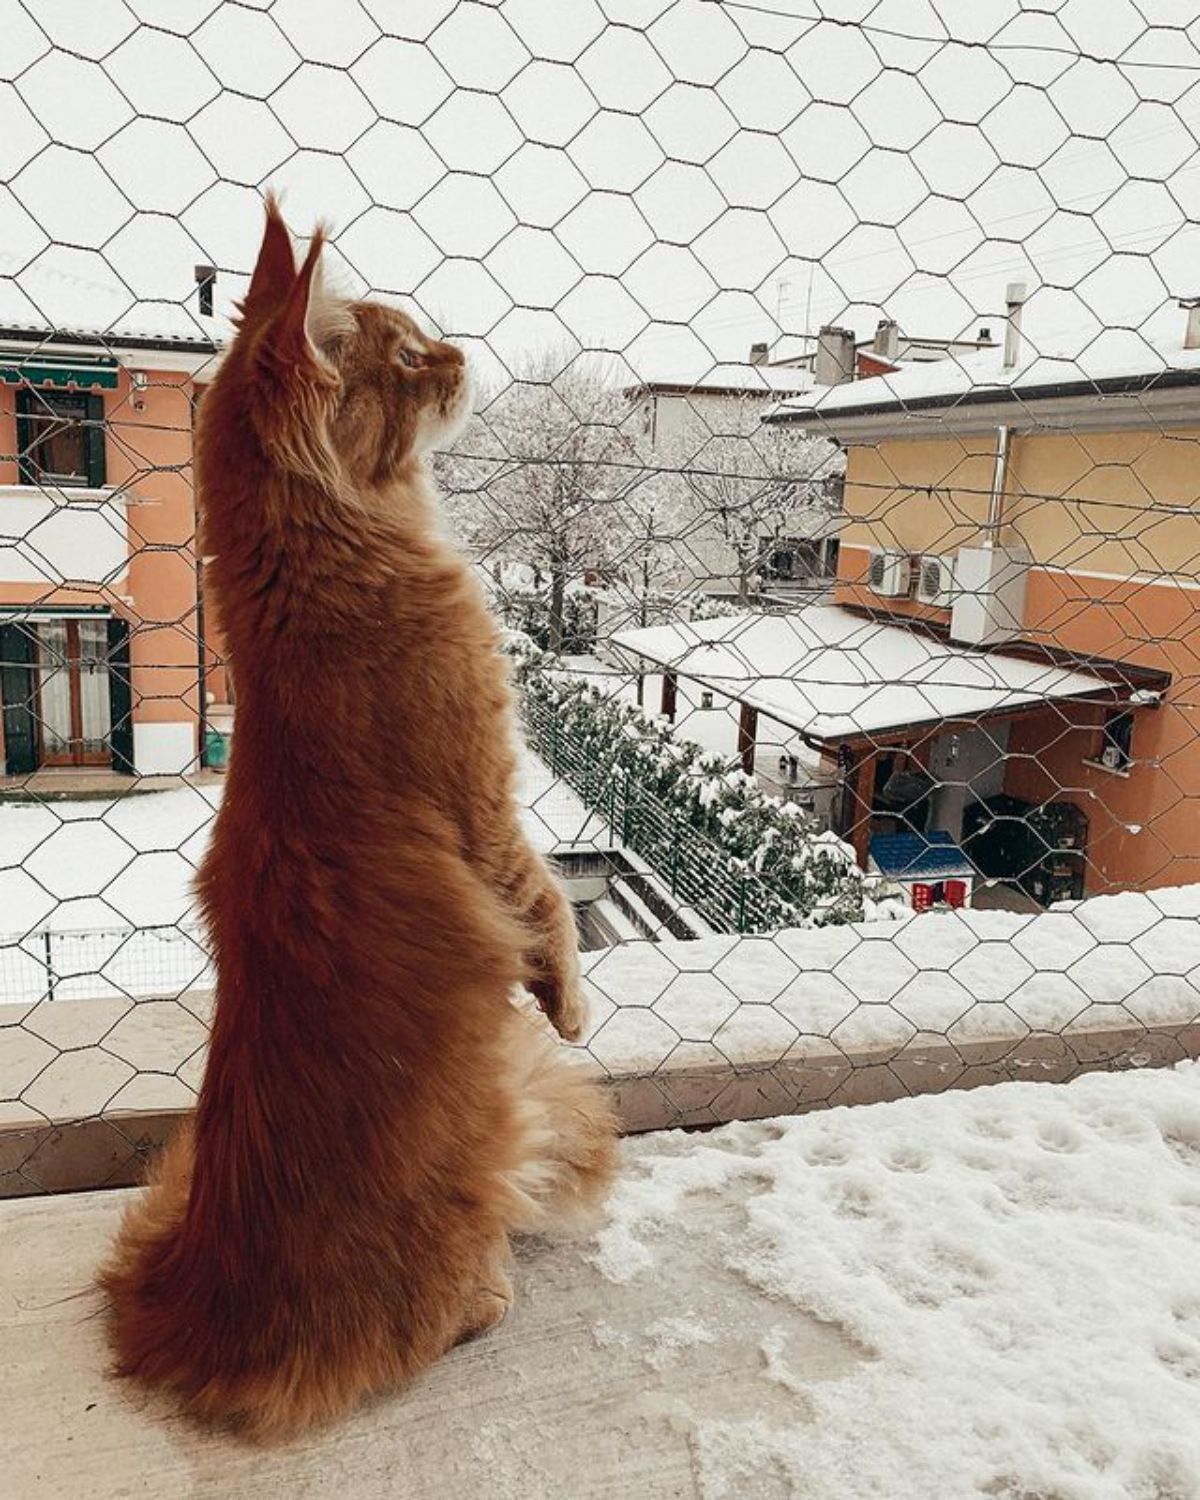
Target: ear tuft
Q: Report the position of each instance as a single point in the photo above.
(328, 317)
(291, 335)
(275, 269)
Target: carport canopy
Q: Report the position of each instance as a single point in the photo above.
(838, 677)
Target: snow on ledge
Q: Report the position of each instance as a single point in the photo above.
(1060, 985)
(701, 1032)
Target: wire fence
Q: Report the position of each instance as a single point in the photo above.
(98, 964)
(833, 473)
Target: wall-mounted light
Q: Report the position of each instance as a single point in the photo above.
(206, 279)
(138, 381)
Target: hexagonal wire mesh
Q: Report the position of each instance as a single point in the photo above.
(834, 472)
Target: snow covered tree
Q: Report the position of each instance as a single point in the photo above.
(747, 483)
(539, 475)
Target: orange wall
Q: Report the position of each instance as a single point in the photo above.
(1144, 828)
(150, 451)
(1122, 504)
(149, 456)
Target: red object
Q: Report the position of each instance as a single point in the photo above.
(956, 893)
(922, 897)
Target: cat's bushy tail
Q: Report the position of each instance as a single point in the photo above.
(567, 1142)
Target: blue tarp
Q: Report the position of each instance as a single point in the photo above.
(920, 856)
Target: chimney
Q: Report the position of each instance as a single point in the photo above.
(206, 279)
(1191, 306)
(758, 354)
(887, 339)
(1014, 301)
(834, 364)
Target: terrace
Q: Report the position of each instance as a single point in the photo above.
(908, 1199)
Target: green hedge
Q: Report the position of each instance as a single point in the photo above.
(745, 860)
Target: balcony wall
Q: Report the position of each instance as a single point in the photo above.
(52, 537)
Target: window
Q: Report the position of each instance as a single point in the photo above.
(1116, 745)
(793, 559)
(60, 438)
(74, 705)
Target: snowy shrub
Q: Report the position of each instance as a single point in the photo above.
(528, 610)
(745, 859)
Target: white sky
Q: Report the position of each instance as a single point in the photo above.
(666, 179)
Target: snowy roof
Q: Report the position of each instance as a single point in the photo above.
(78, 294)
(836, 675)
(734, 380)
(1119, 360)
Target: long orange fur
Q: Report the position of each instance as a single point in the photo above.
(376, 1115)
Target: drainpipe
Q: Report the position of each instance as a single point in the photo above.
(1014, 302)
(999, 481)
(1191, 305)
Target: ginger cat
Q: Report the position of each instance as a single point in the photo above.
(377, 1115)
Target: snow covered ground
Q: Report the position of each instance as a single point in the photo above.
(1013, 1273)
(983, 1296)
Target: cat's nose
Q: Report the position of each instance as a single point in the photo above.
(450, 355)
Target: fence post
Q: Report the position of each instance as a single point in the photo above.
(741, 913)
(48, 948)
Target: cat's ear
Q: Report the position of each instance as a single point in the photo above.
(274, 271)
(311, 320)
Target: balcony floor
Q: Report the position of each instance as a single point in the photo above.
(562, 1401)
(89, 783)
(983, 1292)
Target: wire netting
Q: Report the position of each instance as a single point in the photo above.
(833, 474)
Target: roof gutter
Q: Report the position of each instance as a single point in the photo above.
(43, 336)
(993, 395)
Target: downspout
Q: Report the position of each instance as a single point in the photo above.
(1014, 302)
(999, 482)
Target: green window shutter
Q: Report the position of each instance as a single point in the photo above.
(17, 689)
(96, 434)
(26, 436)
(120, 695)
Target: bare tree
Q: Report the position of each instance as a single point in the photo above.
(539, 475)
(749, 483)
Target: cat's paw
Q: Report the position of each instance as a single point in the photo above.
(488, 1310)
(564, 1005)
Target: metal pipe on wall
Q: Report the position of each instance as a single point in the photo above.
(999, 480)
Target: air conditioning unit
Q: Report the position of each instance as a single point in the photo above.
(989, 595)
(935, 582)
(890, 574)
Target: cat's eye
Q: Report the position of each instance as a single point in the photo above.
(407, 357)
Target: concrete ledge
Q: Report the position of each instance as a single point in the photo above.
(697, 1085)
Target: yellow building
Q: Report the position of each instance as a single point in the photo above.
(1049, 509)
